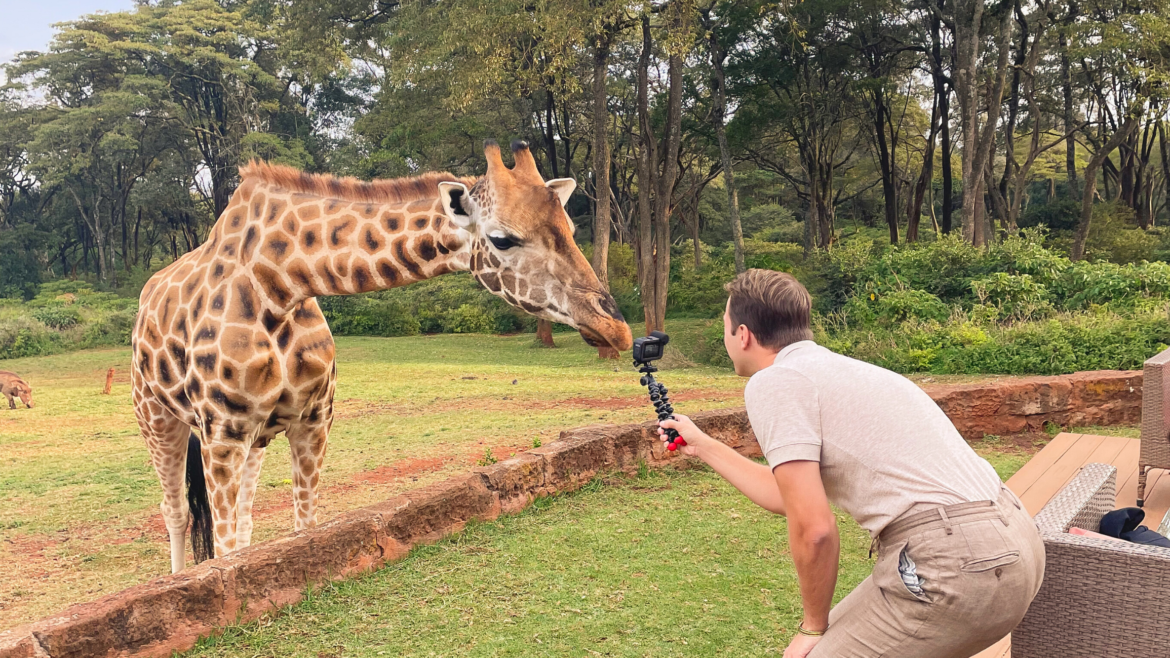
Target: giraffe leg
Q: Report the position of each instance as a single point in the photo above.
(224, 461)
(166, 439)
(247, 494)
(307, 443)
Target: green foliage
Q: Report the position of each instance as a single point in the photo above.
(700, 293)
(1015, 308)
(1061, 214)
(488, 458)
(23, 336)
(1115, 237)
(710, 349)
(897, 307)
(454, 303)
(1014, 296)
(368, 315)
(57, 317)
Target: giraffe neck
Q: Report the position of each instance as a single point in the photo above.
(297, 246)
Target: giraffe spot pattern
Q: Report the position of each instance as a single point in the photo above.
(370, 242)
(426, 248)
(405, 260)
(308, 213)
(340, 231)
(277, 249)
(388, 273)
(272, 285)
(246, 301)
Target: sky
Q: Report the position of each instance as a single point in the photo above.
(27, 24)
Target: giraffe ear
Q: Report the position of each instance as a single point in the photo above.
(457, 203)
(563, 187)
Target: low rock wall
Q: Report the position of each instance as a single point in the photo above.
(170, 613)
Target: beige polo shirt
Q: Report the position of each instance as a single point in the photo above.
(884, 446)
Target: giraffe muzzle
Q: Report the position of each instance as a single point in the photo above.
(604, 325)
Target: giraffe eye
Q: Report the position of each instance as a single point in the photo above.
(501, 242)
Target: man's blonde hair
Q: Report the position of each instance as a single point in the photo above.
(773, 305)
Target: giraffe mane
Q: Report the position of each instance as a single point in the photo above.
(391, 190)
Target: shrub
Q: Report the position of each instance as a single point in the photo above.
(109, 328)
(902, 305)
(23, 336)
(468, 319)
(364, 315)
(57, 316)
(710, 349)
(1062, 213)
(1068, 343)
(1015, 296)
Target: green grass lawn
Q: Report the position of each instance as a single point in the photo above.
(665, 563)
(79, 513)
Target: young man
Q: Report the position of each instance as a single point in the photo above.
(959, 559)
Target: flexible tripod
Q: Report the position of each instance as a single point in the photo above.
(661, 404)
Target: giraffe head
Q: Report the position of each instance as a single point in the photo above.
(522, 247)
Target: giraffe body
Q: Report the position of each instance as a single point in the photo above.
(230, 341)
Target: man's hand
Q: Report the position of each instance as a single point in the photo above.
(801, 646)
(694, 436)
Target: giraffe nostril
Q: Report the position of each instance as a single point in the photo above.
(607, 304)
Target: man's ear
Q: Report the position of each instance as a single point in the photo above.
(745, 337)
(457, 204)
(563, 187)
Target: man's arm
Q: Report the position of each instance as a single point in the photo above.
(812, 538)
(753, 480)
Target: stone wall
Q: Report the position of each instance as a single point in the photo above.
(1083, 399)
(170, 613)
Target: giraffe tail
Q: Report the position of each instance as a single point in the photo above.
(202, 541)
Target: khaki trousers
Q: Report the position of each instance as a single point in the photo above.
(982, 564)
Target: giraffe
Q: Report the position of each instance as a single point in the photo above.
(230, 347)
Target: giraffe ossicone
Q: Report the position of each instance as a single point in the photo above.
(229, 340)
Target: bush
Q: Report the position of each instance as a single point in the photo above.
(468, 319)
(22, 336)
(1061, 214)
(897, 307)
(1063, 344)
(364, 315)
(57, 317)
(108, 329)
(1014, 296)
(710, 349)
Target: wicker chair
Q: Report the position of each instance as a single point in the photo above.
(1100, 597)
(1155, 414)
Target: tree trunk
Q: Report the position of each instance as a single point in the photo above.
(654, 213)
(1070, 157)
(718, 117)
(664, 194)
(646, 162)
(601, 160)
(888, 192)
(977, 140)
(948, 180)
(1082, 232)
(544, 333)
(943, 95)
(1162, 148)
(914, 213)
(695, 238)
(601, 219)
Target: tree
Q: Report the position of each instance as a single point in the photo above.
(658, 170)
(722, 22)
(797, 87)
